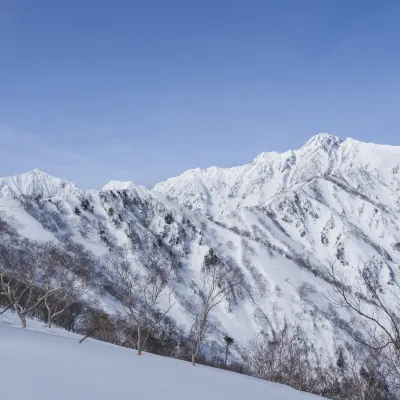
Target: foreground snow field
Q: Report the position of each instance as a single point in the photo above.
(40, 365)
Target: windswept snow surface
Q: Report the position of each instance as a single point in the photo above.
(47, 366)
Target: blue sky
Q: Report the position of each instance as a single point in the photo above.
(93, 90)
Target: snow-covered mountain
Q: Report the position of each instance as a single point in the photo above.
(217, 191)
(331, 199)
(279, 218)
(35, 183)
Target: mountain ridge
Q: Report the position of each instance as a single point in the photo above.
(19, 183)
(273, 173)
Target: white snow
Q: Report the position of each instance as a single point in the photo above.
(123, 185)
(40, 365)
(215, 190)
(35, 182)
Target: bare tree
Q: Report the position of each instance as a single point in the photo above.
(140, 291)
(286, 357)
(218, 280)
(7, 227)
(65, 271)
(376, 310)
(367, 299)
(22, 274)
(100, 326)
(228, 342)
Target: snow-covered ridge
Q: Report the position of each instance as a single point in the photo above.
(34, 183)
(126, 185)
(213, 191)
(119, 185)
(321, 155)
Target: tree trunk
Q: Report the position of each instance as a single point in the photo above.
(199, 339)
(48, 316)
(226, 354)
(22, 318)
(139, 341)
(194, 354)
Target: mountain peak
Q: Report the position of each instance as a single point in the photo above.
(119, 185)
(124, 185)
(37, 174)
(323, 139)
(33, 183)
(38, 171)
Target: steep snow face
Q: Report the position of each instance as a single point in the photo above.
(331, 199)
(35, 183)
(53, 365)
(214, 191)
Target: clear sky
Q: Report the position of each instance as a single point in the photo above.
(93, 90)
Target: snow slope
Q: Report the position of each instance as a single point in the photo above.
(47, 366)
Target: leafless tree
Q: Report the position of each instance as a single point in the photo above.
(22, 274)
(64, 271)
(7, 228)
(141, 291)
(284, 357)
(376, 310)
(228, 342)
(101, 326)
(218, 280)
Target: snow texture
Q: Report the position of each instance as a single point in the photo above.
(48, 366)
